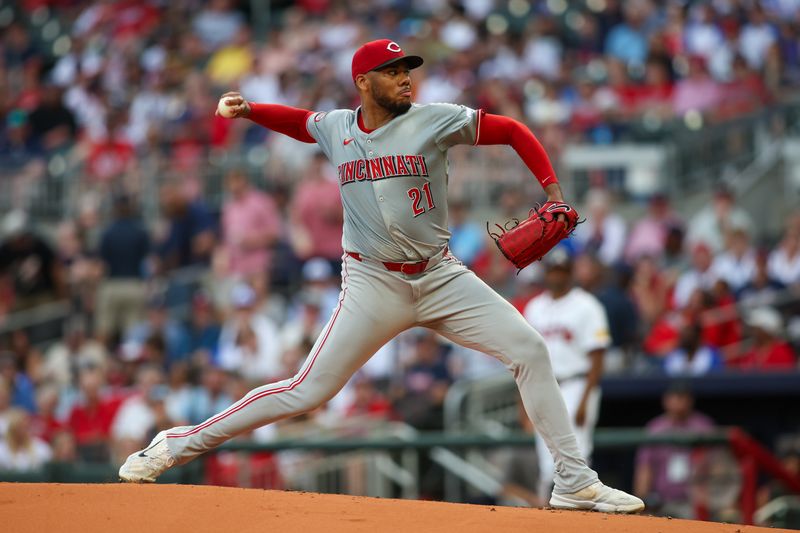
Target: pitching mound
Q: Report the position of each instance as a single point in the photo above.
(155, 508)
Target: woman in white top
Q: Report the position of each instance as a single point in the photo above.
(20, 451)
(784, 261)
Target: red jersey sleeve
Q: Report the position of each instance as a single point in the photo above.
(290, 121)
(497, 129)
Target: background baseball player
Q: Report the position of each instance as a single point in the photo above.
(575, 328)
(391, 158)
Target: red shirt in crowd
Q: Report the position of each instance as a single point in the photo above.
(110, 159)
(45, 427)
(92, 423)
(377, 407)
(775, 356)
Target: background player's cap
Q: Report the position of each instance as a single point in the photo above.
(559, 258)
(378, 54)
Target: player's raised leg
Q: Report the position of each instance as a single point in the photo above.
(357, 328)
(463, 308)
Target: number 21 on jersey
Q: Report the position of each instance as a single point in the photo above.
(415, 194)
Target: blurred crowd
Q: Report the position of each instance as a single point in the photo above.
(123, 90)
(176, 314)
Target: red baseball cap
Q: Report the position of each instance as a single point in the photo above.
(378, 54)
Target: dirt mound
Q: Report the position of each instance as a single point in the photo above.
(177, 508)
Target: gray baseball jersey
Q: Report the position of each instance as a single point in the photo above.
(394, 180)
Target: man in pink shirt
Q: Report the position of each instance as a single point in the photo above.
(316, 214)
(251, 225)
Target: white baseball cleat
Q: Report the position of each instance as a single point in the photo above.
(146, 465)
(598, 497)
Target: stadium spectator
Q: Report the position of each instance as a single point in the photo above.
(159, 323)
(367, 400)
(218, 23)
(250, 226)
(124, 248)
(45, 424)
(21, 388)
(698, 92)
(467, 238)
(28, 264)
(190, 236)
(149, 109)
(692, 357)
(768, 352)
(649, 235)
(649, 290)
(699, 277)
(719, 318)
(53, 126)
(674, 260)
(91, 416)
(19, 450)
(603, 233)
(784, 261)
(744, 92)
(628, 40)
(315, 214)
(249, 344)
(111, 155)
(64, 447)
(712, 223)
(664, 473)
(763, 289)
(420, 397)
(137, 416)
(320, 284)
(5, 405)
(203, 329)
(179, 393)
(702, 36)
(74, 350)
(79, 267)
(735, 265)
(210, 396)
(654, 99)
(304, 329)
(623, 316)
(228, 64)
(28, 357)
(757, 37)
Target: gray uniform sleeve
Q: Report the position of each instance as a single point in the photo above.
(324, 128)
(454, 124)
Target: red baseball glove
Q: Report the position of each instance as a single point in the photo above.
(529, 240)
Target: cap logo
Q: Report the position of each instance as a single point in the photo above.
(393, 47)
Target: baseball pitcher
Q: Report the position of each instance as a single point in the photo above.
(397, 273)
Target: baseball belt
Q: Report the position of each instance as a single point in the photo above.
(410, 268)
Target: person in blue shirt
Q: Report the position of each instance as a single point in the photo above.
(692, 357)
(204, 328)
(21, 389)
(627, 40)
(124, 247)
(467, 238)
(191, 236)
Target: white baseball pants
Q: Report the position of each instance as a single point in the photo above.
(374, 306)
(572, 392)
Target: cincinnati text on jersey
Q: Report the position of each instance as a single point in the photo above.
(378, 168)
